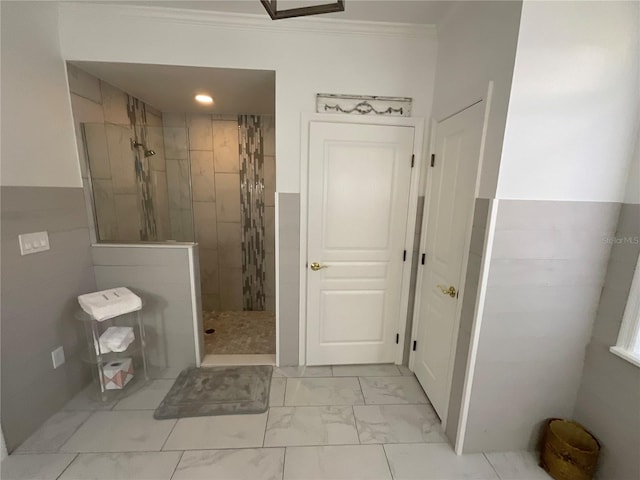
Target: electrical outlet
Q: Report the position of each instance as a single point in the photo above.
(57, 356)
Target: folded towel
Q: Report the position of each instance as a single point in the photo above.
(110, 303)
(116, 339)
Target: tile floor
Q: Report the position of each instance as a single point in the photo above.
(330, 423)
(240, 333)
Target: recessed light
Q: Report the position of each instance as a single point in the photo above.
(204, 99)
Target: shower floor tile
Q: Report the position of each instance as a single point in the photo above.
(240, 332)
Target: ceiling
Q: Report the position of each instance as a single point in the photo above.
(397, 11)
(172, 88)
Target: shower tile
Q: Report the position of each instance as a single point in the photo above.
(270, 229)
(187, 225)
(84, 84)
(154, 117)
(202, 179)
(268, 134)
(127, 215)
(155, 142)
(175, 218)
(114, 103)
(231, 288)
(97, 150)
(161, 203)
(269, 180)
(200, 134)
(209, 271)
(230, 245)
(175, 143)
(178, 184)
(210, 301)
(105, 209)
(204, 214)
(228, 197)
(270, 279)
(174, 120)
(121, 158)
(225, 146)
(270, 303)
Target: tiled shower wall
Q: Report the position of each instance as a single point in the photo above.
(546, 273)
(130, 190)
(211, 143)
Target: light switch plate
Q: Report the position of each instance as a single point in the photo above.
(33, 242)
(57, 356)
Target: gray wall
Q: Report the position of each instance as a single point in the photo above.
(160, 274)
(470, 294)
(289, 276)
(547, 269)
(609, 397)
(38, 302)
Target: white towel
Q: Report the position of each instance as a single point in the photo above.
(116, 339)
(110, 303)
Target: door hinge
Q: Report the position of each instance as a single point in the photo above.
(413, 160)
(397, 338)
(404, 256)
(433, 159)
(424, 256)
(415, 344)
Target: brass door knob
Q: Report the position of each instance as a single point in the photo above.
(315, 266)
(451, 291)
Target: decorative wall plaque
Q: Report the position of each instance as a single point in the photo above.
(363, 105)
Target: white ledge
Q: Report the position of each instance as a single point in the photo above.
(626, 355)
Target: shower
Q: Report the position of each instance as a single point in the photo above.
(147, 152)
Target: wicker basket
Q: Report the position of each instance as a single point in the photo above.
(569, 451)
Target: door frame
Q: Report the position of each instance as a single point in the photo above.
(465, 258)
(418, 124)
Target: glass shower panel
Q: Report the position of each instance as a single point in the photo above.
(140, 183)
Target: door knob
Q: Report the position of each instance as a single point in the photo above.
(315, 266)
(451, 291)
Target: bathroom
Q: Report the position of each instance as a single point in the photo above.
(164, 170)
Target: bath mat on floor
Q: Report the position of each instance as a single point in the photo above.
(207, 391)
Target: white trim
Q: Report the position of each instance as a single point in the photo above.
(276, 203)
(477, 324)
(146, 245)
(238, 21)
(628, 343)
(465, 258)
(3, 446)
(423, 245)
(306, 119)
(194, 306)
(627, 355)
(211, 360)
(418, 140)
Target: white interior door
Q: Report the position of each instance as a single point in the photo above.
(449, 208)
(359, 179)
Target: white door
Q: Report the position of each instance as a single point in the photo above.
(448, 210)
(359, 178)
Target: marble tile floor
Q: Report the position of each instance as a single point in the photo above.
(243, 332)
(324, 423)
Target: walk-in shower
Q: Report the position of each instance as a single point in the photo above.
(160, 175)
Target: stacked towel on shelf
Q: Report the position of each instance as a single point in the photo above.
(110, 303)
(116, 339)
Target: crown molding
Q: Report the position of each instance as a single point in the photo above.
(235, 21)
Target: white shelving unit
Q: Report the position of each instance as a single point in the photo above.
(98, 359)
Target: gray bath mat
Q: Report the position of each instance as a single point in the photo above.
(206, 391)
